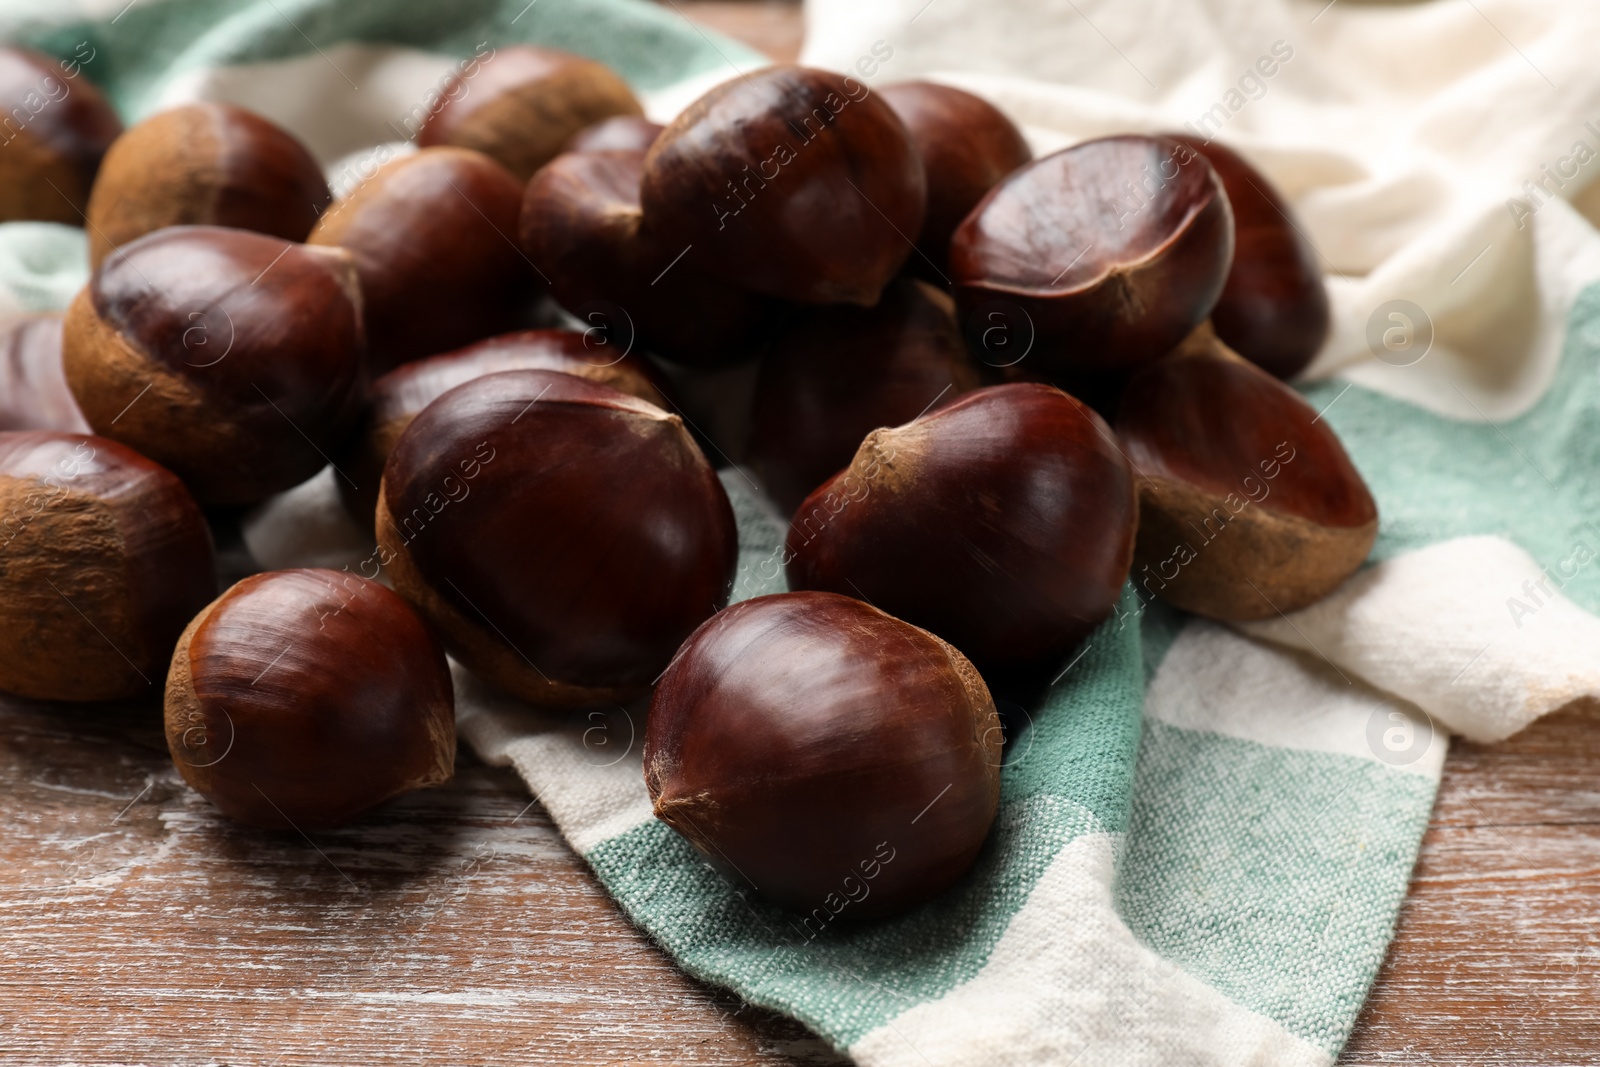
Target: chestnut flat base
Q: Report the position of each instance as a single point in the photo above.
(1255, 565)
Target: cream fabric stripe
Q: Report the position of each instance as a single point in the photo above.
(1463, 629)
(1068, 985)
(1213, 679)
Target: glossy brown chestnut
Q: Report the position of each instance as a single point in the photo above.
(230, 357)
(55, 127)
(107, 557)
(582, 227)
(1274, 309)
(837, 373)
(843, 763)
(620, 133)
(1249, 504)
(794, 182)
(1004, 523)
(1114, 250)
(301, 698)
(433, 236)
(204, 164)
(563, 537)
(33, 387)
(398, 396)
(523, 104)
(967, 146)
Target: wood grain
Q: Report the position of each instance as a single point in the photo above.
(454, 926)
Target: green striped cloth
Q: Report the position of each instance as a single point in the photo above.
(1205, 834)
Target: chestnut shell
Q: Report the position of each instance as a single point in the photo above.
(582, 226)
(563, 537)
(107, 557)
(837, 373)
(1003, 522)
(232, 358)
(204, 164)
(1115, 249)
(49, 155)
(398, 396)
(804, 739)
(794, 182)
(300, 698)
(524, 103)
(433, 237)
(1207, 431)
(1274, 309)
(967, 146)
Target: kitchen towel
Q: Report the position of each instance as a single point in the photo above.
(1205, 832)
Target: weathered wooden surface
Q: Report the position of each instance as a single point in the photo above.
(454, 927)
(1497, 961)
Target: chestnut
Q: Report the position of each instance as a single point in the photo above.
(398, 396)
(33, 387)
(523, 104)
(204, 164)
(562, 537)
(433, 236)
(1114, 249)
(1249, 504)
(1274, 309)
(1003, 522)
(230, 357)
(841, 762)
(301, 698)
(107, 557)
(55, 127)
(582, 227)
(627, 133)
(836, 373)
(967, 146)
(794, 182)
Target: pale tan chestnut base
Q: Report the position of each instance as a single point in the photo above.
(1260, 563)
(478, 646)
(131, 398)
(170, 174)
(526, 127)
(67, 625)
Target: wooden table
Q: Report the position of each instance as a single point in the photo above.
(454, 926)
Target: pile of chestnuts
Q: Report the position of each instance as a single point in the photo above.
(992, 392)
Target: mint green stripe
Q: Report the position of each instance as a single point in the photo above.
(851, 979)
(43, 263)
(156, 40)
(1436, 478)
(1273, 875)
